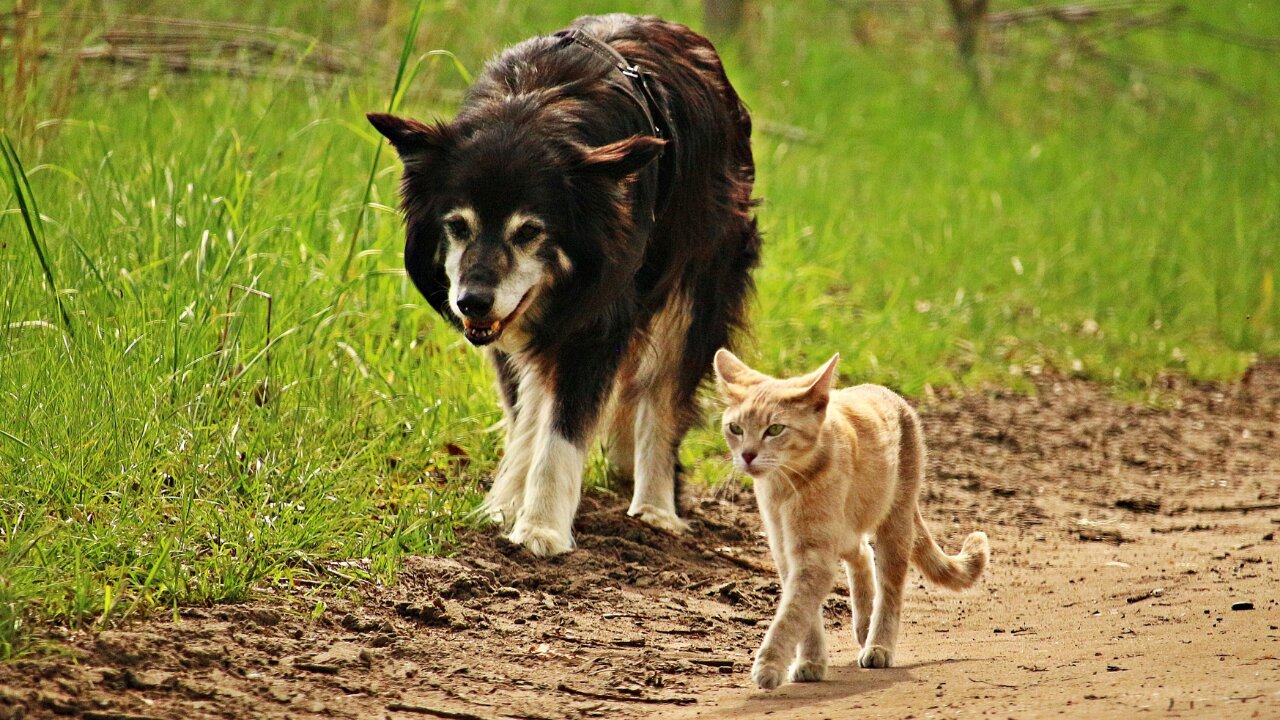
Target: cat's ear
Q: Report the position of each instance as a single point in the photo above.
(819, 391)
(733, 376)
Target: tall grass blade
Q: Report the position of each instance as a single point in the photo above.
(31, 219)
(417, 66)
(410, 36)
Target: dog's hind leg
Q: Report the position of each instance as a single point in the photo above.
(620, 443)
(660, 422)
(657, 444)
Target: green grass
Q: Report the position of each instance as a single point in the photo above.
(1115, 224)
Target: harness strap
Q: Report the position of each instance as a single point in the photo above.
(638, 87)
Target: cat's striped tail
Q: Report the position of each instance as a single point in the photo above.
(954, 572)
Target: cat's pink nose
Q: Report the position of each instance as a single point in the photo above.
(747, 457)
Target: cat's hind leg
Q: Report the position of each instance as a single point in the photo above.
(893, 552)
(862, 589)
(811, 654)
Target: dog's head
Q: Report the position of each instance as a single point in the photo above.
(496, 213)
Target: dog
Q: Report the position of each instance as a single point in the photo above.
(587, 219)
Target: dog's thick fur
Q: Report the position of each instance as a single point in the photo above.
(603, 266)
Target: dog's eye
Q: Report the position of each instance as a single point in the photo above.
(457, 228)
(774, 430)
(526, 233)
(735, 428)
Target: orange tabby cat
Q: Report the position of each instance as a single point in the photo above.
(832, 469)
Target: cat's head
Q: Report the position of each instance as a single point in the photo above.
(771, 423)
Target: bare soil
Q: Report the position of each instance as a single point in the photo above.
(1122, 538)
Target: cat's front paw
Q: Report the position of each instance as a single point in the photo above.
(808, 671)
(766, 676)
(662, 519)
(875, 656)
(541, 541)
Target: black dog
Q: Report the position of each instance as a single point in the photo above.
(587, 218)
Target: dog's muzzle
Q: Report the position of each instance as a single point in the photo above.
(477, 326)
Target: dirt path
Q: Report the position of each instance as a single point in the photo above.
(1075, 631)
(1121, 539)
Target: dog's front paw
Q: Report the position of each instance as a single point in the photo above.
(662, 519)
(875, 656)
(766, 675)
(541, 541)
(808, 671)
(502, 504)
(502, 514)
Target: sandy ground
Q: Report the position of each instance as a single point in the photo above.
(1122, 538)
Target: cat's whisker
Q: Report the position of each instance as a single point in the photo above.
(788, 474)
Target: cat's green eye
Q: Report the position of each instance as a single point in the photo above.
(774, 430)
(735, 428)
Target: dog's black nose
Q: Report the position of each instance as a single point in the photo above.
(475, 305)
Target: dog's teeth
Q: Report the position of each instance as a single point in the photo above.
(484, 332)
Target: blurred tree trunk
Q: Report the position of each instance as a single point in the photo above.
(723, 17)
(969, 17)
(25, 46)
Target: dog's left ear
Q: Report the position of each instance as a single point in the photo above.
(623, 157)
(413, 140)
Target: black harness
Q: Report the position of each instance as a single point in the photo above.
(639, 88)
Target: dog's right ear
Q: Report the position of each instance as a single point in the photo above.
(413, 140)
(624, 157)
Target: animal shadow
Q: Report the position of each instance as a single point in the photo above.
(843, 681)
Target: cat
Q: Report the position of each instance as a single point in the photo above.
(832, 469)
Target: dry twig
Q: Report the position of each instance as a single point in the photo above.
(676, 700)
(434, 712)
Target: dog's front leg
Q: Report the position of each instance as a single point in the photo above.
(505, 498)
(578, 388)
(522, 406)
(551, 495)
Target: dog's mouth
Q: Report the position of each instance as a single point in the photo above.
(481, 334)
